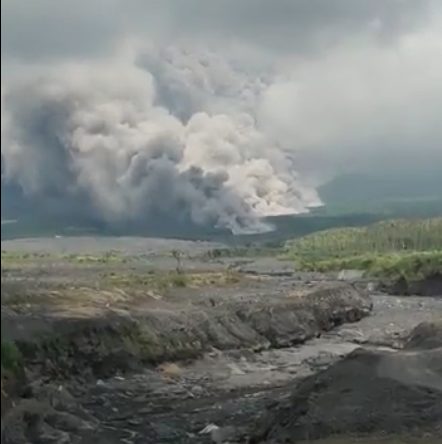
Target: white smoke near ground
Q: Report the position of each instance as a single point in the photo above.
(180, 140)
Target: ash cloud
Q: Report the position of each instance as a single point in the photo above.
(220, 112)
(98, 130)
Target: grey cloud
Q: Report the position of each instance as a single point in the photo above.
(45, 28)
(289, 25)
(189, 80)
(362, 108)
(217, 111)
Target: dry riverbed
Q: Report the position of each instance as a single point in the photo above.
(120, 348)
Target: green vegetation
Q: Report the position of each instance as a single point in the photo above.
(112, 288)
(160, 282)
(411, 249)
(179, 280)
(218, 253)
(11, 358)
(380, 238)
(21, 258)
(109, 257)
(410, 266)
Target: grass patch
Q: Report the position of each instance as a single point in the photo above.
(179, 280)
(109, 257)
(22, 258)
(409, 249)
(111, 289)
(395, 249)
(162, 281)
(388, 237)
(243, 252)
(19, 258)
(410, 266)
(11, 360)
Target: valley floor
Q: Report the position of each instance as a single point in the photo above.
(225, 348)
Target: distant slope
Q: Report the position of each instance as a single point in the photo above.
(47, 218)
(383, 237)
(352, 187)
(405, 255)
(351, 201)
(397, 194)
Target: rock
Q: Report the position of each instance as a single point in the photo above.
(26, 415)
(208, 429)
(49, 435)
(68, 422)
(223, 435)
(57, 396)
(235, 370)
(37, 421)
(350, 275)
(426, 335)
(170, 370)
(197, 391)
(98, 348)
(368, 392)
(428, 286)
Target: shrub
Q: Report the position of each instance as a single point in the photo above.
(12, 360)
(179, 280)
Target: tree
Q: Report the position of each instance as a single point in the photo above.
(178, 255)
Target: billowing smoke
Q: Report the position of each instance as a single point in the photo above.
(133, 140)
(206, 110)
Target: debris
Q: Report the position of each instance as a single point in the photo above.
(170, 370)
(223, 435)
(235, 370)
(208, 429)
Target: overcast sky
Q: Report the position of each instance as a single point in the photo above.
(341, 85)
(370, 67)
(44, 28)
